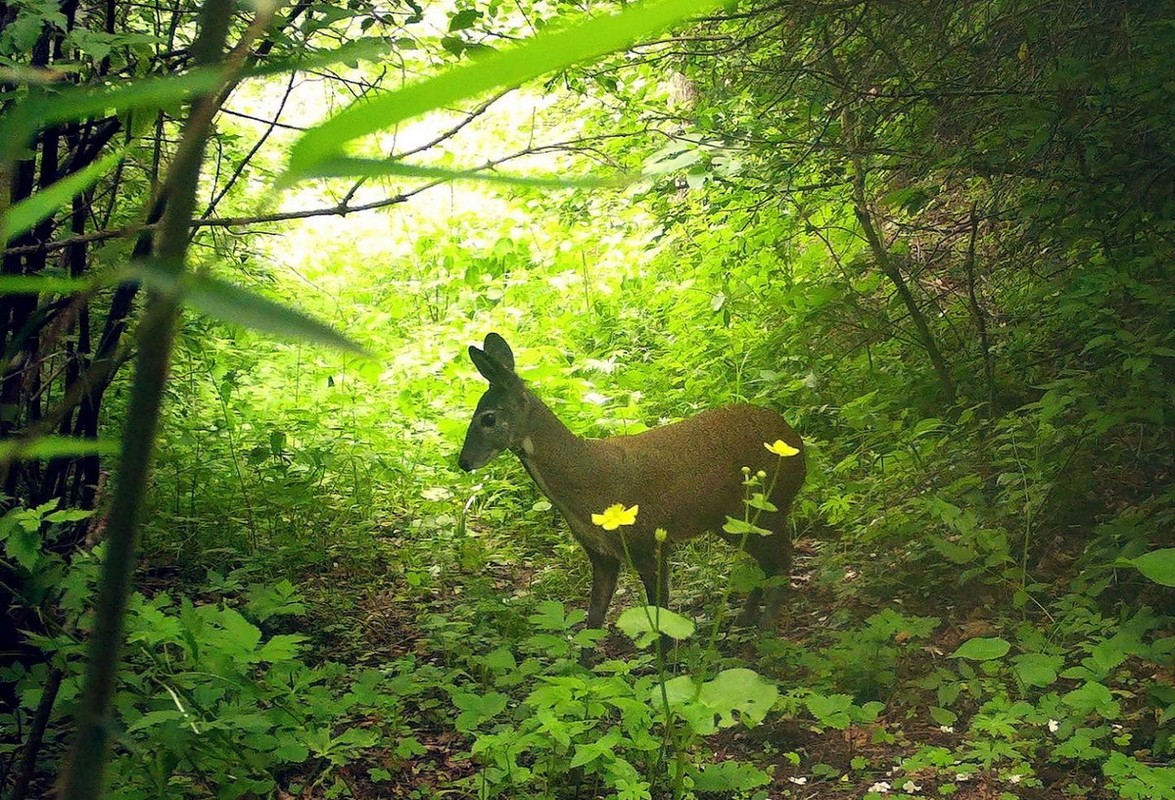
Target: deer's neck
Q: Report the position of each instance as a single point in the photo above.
(567, 468)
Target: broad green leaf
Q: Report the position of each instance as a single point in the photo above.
(1037, 669)
(982, 649)
(43, 447)
(953, 552)
(230, 303)
(28, 212)
(714, 704)
(587, 753)
(244, 634)
(760, 502)
(742, 690)
(641, 624)
(477, 708)
(464, 19)
(740, 527)
(943, 716)
(1105, 656)
(1080, 746)
(831, 710)
(23, 546)
(1158, 565)
(550, 615)
(500, 660)
(729, 777)
(1092, 697)
(344, 167)
(291, 752)
(283, 647)
(546, 52)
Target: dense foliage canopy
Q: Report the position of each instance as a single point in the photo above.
(246, 246)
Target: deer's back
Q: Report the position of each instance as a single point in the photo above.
(687, 476)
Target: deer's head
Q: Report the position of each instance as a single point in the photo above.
(497, 422)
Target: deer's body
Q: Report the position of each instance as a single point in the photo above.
(686, 478)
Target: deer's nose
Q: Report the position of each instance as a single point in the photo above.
(463, 462)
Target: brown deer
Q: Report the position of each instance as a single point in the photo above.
(686, 478)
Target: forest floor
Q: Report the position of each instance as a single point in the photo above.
(383, 624)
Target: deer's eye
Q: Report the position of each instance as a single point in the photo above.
(488, 420)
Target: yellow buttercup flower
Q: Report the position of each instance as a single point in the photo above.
(782, 448)
(615, 516)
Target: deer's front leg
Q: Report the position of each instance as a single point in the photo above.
(605, 571)
(654, 574)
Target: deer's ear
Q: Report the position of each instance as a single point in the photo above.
(497, 349)
(491, 369)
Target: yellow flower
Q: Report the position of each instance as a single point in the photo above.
(660, 534)
(782, 448)
(615, 516)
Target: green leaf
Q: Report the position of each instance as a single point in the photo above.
(953, 552)
(1037, 669)
(28, 212)
(38, 284)
(283, 647)
(244, 634)
(740, 527)
(981, 649)
(943, 716)
(464, 19)
(1092, 697)
(714, 704)
(500, 660)
(550, 615)
(291, 752)
(45, 447)
(54, 104)
(831, 710)
(153, 718)
(346, 167)
(230, 303)
(23, 546)
(1157, 565)
(546, 52)
(729, 777)
(587, 753)
(742, 690)
(477, 708)
(643, 623)
(760, 502)
(69, 515)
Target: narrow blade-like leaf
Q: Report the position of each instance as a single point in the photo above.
(231, 303)
(542, 54)
(63, 104)
(343, 167)
(28, 212)
(43, 447)
(43, 284)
